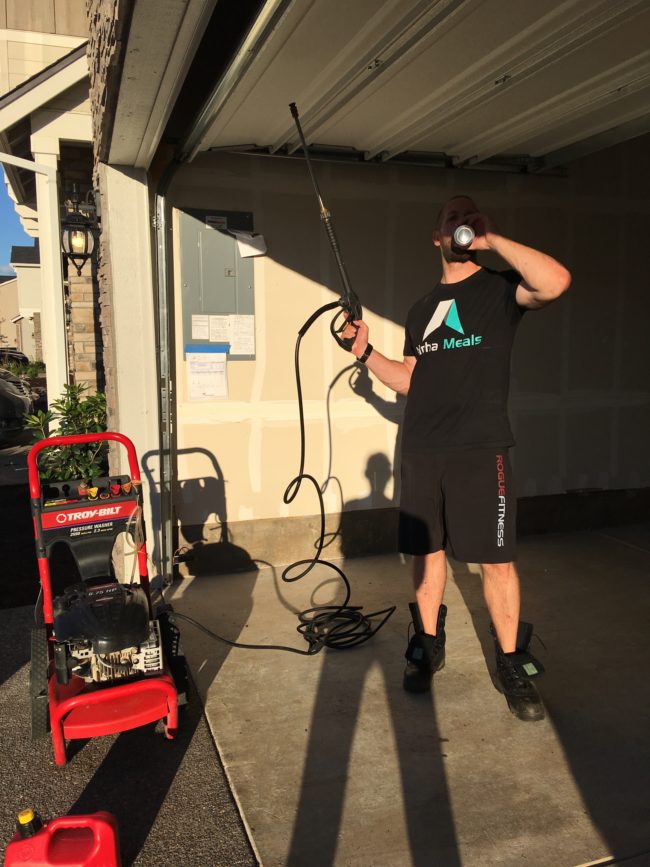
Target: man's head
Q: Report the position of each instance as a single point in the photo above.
(455, 212)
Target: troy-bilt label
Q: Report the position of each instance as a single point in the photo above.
(87, 515)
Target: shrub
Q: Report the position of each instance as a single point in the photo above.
(33, 370)
(74, 414)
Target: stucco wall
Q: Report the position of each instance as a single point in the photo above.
(580, 401)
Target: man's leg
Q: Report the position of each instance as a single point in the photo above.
(429, 579)
(502, 595)
(501, 591)
(421, 528)
(426, 651)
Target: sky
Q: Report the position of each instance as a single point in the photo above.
(11, 232)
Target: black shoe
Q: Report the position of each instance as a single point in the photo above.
(425, 654)
(513, 674)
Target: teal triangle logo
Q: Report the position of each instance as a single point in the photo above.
(446, 312)
(452, 320)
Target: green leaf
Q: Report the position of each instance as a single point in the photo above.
(75, 413)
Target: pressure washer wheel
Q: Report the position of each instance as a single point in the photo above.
(38, 683)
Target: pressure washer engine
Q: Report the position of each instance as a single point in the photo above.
(104, 634)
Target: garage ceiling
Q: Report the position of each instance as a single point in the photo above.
(470, 81)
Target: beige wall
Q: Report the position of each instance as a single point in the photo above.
(8, 309)
(29, 287)
(35, 34)
(19, 334)
(29, 303)
(580, 400)
(45, 16)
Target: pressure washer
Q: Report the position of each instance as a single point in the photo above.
(103, 659)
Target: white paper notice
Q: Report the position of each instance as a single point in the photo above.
(249, 244)
(242, 335)
(206, 375)
(199, 327)
(219, 329)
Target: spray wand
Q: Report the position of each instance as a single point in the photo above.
(349, 302)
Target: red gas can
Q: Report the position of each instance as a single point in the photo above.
(68, 841)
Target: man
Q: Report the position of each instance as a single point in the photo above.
(457, 488)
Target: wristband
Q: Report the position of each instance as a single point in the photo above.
(366, 355)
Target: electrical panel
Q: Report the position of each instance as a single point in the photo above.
(216, 281)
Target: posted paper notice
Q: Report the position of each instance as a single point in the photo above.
(249, 244)
(200, 327)
(219, 329)
(242, 335)
(206, 375)
(238, 331)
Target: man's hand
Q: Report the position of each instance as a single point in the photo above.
(357, 330)
(485, 231)
(544, 278)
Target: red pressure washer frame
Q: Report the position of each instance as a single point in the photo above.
(76, 711)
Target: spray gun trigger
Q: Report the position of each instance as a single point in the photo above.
(351, 311)
(352, 308)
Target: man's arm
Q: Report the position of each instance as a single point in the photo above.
(544, 278)
(394, 374)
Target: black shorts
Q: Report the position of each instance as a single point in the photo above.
(462, 502)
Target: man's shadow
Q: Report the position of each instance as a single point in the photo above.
(348, 677)
(390, 410)
(379, 473)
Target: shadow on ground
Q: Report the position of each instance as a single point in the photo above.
(590, 606)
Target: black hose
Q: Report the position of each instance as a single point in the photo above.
(335, 626)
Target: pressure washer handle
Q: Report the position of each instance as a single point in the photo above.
(351, 311)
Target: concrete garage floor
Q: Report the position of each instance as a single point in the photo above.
(331, 763)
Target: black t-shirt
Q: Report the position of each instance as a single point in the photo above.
(461, 335)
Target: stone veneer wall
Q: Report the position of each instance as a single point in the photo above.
(85, 350)
(108, 24)
(38, 339)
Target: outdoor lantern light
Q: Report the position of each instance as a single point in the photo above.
(77, 233)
